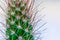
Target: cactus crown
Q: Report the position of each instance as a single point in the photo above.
(19, 26)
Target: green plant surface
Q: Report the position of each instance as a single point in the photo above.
(13, 31)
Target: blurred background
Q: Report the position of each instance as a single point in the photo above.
(53, 19)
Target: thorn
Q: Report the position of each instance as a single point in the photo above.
(3, 25)
(38, 28)
(38, 5)
(35, 22)
(2, 8)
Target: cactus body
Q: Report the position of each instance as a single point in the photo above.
(18, 22)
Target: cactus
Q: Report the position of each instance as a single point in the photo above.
(20, 20)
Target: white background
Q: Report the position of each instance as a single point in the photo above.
(53, 19)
